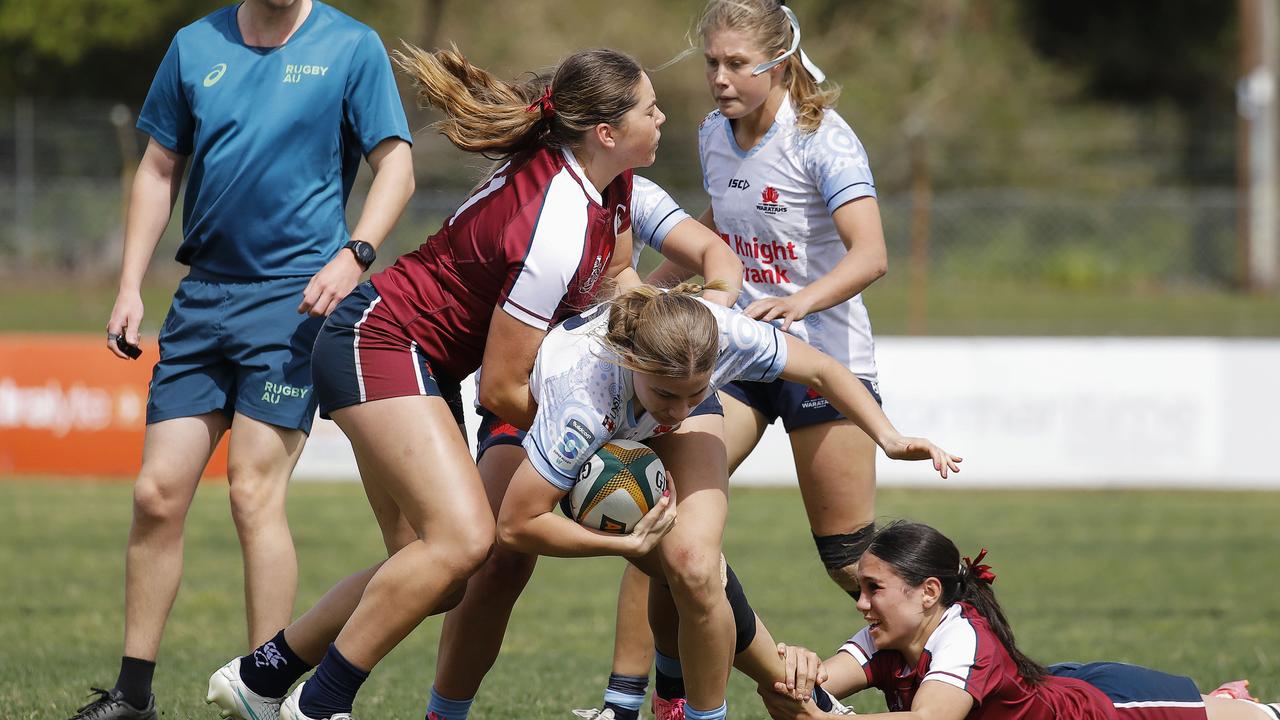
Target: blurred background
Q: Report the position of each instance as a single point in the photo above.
(1043, 168)
(1080, 202)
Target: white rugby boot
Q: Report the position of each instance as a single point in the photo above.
(236, 700)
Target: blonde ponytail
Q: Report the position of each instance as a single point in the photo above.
(665, 333)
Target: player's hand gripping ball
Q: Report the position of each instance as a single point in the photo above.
(617, 486)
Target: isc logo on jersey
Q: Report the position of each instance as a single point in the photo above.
(617, 486)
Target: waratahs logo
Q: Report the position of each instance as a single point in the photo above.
(771, 201)
(813, 400)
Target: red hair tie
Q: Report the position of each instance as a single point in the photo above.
(980, 572)
(543, 104)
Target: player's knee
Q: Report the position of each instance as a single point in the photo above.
(846, 578)
(696, 575)
(254, 500)
(464, 552)
(156, 504)
(508, 571)
(840, 554)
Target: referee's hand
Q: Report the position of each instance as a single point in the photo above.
(126, 318)
(327, 287)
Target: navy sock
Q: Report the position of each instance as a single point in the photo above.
(333, 688)
(134, 681)
(668, 677)
(822, 699)
(272, 668)
(625, 695)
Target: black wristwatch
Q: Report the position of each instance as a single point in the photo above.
(364, 252)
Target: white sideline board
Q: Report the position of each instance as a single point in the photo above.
(1039, 412)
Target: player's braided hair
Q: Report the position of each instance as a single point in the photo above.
(501, 119)
(917, 552)
(765, 21)
(665, 333)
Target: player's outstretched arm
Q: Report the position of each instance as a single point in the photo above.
(810, 366)
(527, 523)
(151, 201)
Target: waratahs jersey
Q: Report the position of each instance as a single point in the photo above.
(773, 206)
(534, 240)
(586, 398)
(653, 215)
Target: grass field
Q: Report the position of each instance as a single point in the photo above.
(1186, 582)
(954, 308)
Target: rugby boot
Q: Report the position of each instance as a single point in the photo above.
(236, 700)
(111, 705)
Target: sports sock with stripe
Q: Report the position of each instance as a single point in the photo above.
(625, 695)
(668, 678)
(440, 707)
(719, 713)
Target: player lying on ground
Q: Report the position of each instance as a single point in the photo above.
(531, 243)
(938, 645)
(637, 368)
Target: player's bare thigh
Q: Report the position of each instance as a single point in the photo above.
(836, 470)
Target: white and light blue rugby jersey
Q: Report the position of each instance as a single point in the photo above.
(585, 398)
(773, 206)
(653, 215)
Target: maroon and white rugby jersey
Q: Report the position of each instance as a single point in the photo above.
(535, 239)
(963, 652)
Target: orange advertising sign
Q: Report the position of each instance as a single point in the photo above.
(70, 407)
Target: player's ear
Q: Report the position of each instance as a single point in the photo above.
(931, 592)
(606, 135)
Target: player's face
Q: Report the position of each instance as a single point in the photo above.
(893, 610)
(638, 133)
(731, 56)
(670, 400)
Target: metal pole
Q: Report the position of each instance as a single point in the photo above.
(24, 191)
(1259, 174)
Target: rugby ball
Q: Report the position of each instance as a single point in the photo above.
(616, 487)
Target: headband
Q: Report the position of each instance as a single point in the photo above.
(814, 70)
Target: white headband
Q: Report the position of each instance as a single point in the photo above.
(814, 70)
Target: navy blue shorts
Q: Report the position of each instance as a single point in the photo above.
(362, 354)
(236, 346)
(494, 430)
(1137, 692)
(797, 405)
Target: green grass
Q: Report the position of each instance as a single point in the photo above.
(953, 307)
(1182, 581)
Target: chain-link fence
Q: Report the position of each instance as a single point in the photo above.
(64, 166)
